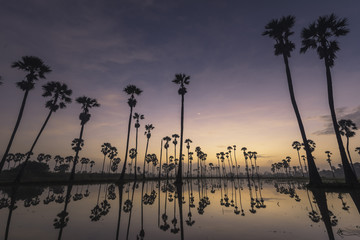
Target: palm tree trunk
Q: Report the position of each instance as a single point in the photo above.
(132, 201)
(350, 176)
(136, 147)
(313, 172)
(188, 166)
(147, 145)
(21, 171)
(122, 175)
(160, 159)
(348, 152)
(120, 187)
(179, 176)
(300, 164)
(14, 131)
(67, 200)
(321, 201)
(72, 175)
(102, 170)
(180, 194)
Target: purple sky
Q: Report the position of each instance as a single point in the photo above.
(237, 95)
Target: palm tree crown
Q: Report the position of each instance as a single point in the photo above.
(279, 29)
(137, 117)
(86, 103)
(132, 90)
(36, 69)
(320, 36)
(296, 145)
(182, 80)
(57, 91)
(347, 127)
(148, 128)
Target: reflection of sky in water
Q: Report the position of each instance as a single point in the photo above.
(284, 214)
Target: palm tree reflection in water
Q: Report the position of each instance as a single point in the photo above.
(175, 195)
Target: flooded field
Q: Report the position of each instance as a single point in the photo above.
(200, 209)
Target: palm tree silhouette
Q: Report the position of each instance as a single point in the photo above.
(175, 142)
(167, 139)
(86, 104)
(346, 129)
(297, 146)
(105, 149)
(182, 80)
(35, 69)
(60, 96)
(131, 90)
(237, 166)
(280, 30)
(304, 159)
(161, 147)
(148, 128)
(92, 163)
(188, 141)
(328, 154)
(320, 36)
(137, 117)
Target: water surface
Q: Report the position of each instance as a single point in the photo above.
(207, 209)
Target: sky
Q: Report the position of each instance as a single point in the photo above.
(237, 94)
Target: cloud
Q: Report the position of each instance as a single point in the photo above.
(342, 113)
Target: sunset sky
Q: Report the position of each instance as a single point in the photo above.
(237, 94)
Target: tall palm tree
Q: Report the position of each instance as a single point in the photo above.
(237, 166)
(167, 139)
(175, 142)
(188, 141)
(297, 146)
(182, 80)
(35, 69)
(137, 118)
(105, 150)
(161, 147)
(346, 129)
(321, 35)
(131, 90)
(280, 30)
(59, 94)
(77, 144)
(148, 128)
(328, 154)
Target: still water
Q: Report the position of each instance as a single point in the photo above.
(201, 209)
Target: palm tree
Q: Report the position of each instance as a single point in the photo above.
(237, 166)
(175, 142)
(59, 94)
(35, 69)
(346, 129)
(77, 144)
(328, 154)
(105, 149)
(92, 163)
(161, 146)
(304, 159)
(320, 35)
(167, 139)
(148, 128)
(131, 90)
(188, 141)
(137, 117)
(280, 30)
(182, 80)
(297, 146)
